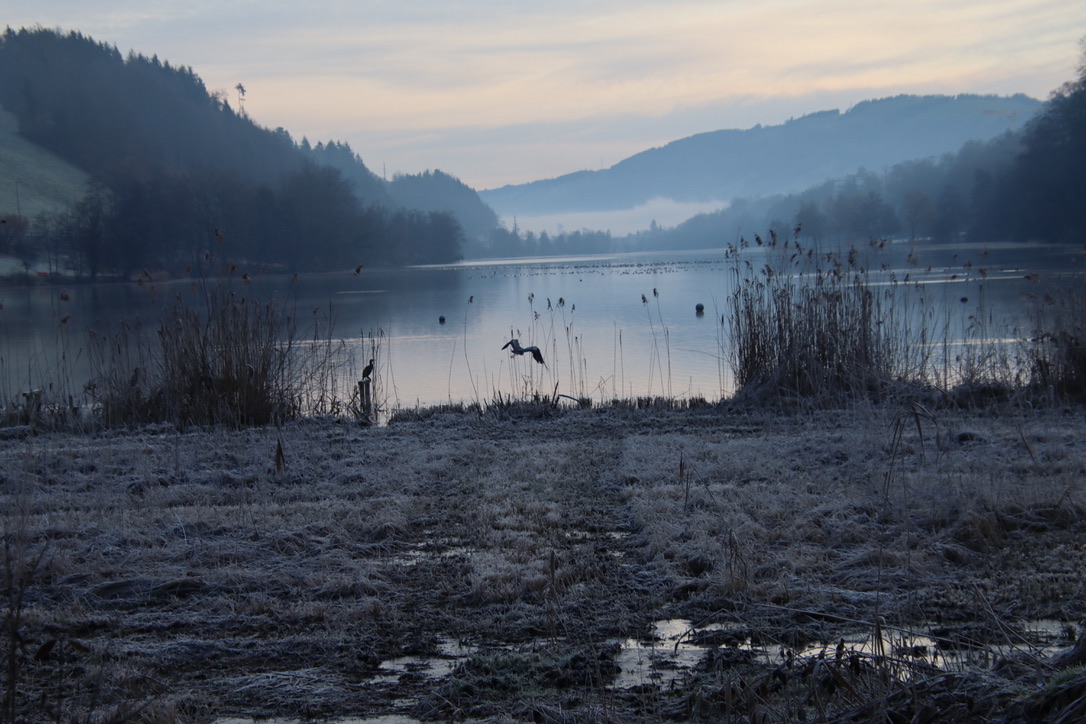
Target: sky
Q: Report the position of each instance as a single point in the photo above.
(501, 92)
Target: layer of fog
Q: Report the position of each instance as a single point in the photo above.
(665, 212)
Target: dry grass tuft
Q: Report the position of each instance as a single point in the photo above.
(822, 328)
(1058, 352)
(223, 359)
(810, 325)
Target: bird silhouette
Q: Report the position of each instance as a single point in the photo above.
(517, 349)
(367, 370)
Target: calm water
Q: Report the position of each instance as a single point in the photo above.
(616, 325)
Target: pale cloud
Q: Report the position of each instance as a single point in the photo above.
(496, 91)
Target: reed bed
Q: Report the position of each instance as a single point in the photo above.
(811, 325)
(804, 325)
(217, 355)
(230, 363)
(1058, 349)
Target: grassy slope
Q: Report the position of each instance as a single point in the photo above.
(46, 182)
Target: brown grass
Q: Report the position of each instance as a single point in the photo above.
(218, 358)
(1059, 344)
(814, 327)
(810, 325)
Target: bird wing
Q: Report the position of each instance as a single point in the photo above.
(508, 343)
(536, 354)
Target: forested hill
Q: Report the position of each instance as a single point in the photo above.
(173, 162)
(721, 165)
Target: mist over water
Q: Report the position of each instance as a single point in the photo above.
(664, 212)
(608, 326)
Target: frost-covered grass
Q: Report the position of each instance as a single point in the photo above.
(184, 576)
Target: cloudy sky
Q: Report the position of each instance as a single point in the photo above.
(508, 91)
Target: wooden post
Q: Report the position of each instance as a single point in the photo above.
(365, 398)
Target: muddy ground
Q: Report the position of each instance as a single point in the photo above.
(501, 566)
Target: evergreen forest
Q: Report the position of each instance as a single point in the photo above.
(184, 180)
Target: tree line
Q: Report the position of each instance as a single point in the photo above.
(177, 170)
(182, 177)
(1027, 184)
(1024, 185)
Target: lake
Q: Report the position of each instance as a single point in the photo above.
(619, 325)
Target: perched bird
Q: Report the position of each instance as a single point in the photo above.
(367, 370)
(517, 349)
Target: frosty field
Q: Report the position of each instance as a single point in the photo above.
(502, 566)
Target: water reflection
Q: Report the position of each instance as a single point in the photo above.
(617, 325)
(387, 719)
(450, 654)
(677, 646)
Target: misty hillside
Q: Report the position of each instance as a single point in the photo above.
(721, 165)
(172, 170)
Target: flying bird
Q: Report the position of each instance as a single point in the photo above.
(517, 349)
(367, 370)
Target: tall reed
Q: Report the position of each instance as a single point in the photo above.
(37, 384)
(1057, 353)
(809, 324)
(656, 362)
(217, 358)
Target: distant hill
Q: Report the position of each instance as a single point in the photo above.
(177, 171)
(721, 165)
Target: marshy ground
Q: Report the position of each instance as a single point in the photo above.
(499, 567)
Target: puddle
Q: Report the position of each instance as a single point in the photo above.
(438, 549)
(676, 647)
(449, 655)
(389, 719)
(662, 659)
(432, 550)
(610, 538)
(948, 650)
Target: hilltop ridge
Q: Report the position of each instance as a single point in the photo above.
(723, 164)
